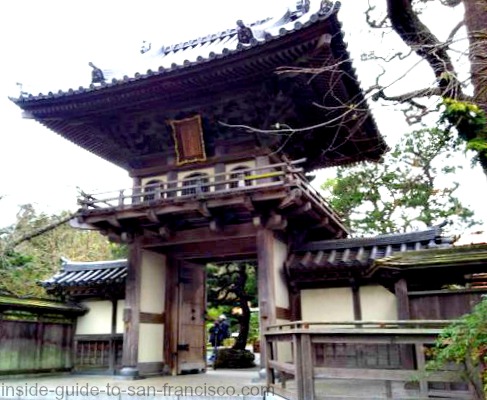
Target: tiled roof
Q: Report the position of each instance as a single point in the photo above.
(87, 274)
(39, 305)
(167, 59)
(357, 255)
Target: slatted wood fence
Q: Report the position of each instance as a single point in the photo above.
(366, 360)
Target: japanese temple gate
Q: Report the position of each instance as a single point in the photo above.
(208, 188)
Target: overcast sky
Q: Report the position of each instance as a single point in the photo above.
(46, 46)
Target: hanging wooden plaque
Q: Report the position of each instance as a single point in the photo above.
(188, 139)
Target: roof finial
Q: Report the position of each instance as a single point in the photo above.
(303, 6)
(244, 33)
(97, 74)
(22, 93)
(146, 46)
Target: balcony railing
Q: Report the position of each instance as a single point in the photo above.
(285, 174)
(358, 360)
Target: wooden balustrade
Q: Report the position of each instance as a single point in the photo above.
(340, 360)
(285, 174)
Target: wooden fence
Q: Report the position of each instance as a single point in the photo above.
(366, 360)
(36, 336)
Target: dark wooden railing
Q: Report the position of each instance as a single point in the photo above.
(358, 360)
(267, 176)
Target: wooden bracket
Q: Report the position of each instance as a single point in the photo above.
(165, 233)
(276, 222)
(215, 225)
(152, 216)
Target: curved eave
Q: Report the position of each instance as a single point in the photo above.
(245, 62)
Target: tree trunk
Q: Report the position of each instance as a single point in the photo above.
(415, 34)
(244, 319)
(418, 36)
(476, 23)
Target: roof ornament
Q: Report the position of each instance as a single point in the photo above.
(146, 46)
(97, 74)
(22, 92)
(302, 6)
(328, 7)
(244, 33)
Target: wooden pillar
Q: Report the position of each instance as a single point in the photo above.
(403, 313)
(295, 302)
(357, 306)
(171, 315)
(137, 190)
(219, 169)
(172, 176)
(131, 312)
(401, 291)
(266, 285)
(113, 348)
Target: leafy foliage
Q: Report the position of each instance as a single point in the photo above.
(410, 189)
(470, 122)
(39, 258)
(465, 342)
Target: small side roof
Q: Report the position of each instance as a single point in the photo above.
(331, 260)
(87, 275)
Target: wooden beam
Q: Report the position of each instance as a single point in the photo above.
(151, 318)
(201, 235)
(283, 313)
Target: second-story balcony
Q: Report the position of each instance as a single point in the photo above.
(275, 196)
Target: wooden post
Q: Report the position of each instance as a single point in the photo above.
(266, 287)
(131, 312)
(171, 315)
(219, 169)
(298, 365)
(403, 314)
(307, 367)
(420, 359)
(136, 191)
(112, 346)
(295, 302)
(357, 306)
(172, 176)
(401, 291)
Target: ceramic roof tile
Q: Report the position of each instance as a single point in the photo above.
(88, 274)
(203, 49)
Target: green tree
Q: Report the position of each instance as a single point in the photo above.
(234, 285)
(404, 191)
(404, 17)
(31, 249)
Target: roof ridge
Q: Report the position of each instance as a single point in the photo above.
(432, 234)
